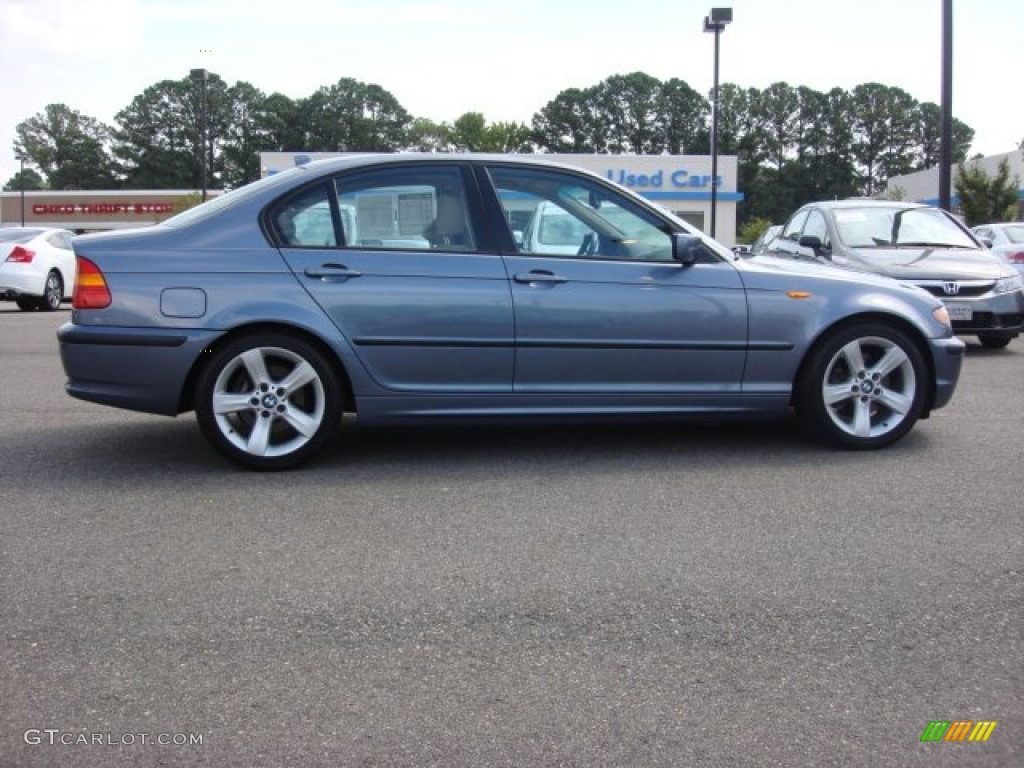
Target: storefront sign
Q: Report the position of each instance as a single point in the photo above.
(69, 209)
(678, 179)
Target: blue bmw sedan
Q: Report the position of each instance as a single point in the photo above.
(404, 288)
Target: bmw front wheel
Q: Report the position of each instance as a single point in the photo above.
(268, 400)
(864, 387)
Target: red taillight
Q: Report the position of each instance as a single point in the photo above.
(91, 290)
(21, 255)
(1015, 258)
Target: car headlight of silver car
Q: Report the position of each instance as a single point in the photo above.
(1009, 284)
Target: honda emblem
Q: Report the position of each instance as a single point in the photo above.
(951, 289)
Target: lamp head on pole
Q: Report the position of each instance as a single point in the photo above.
(717, 19)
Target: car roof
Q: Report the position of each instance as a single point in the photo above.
(864, 203)
(376, 159)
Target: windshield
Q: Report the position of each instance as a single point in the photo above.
(885, 227)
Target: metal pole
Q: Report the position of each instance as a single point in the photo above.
(21, 159)
(946, 139)
(202, 137)
(714, 139)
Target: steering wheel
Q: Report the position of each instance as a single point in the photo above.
(589, 245)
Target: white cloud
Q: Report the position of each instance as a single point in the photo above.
(66, 29)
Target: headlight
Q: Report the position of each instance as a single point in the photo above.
(1008, 284)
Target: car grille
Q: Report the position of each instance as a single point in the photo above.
(966, 289)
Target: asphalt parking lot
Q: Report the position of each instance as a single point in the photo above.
(698, 595)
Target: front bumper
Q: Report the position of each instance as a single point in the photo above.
(140, 369)
(948, 359)
(998, 313)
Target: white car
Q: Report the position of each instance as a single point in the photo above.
(37, 267)
(1004, 240)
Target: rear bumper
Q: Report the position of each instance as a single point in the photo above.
(14, 284)
(140, 369)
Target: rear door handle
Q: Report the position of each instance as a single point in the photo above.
(539, 276)
(331, 271)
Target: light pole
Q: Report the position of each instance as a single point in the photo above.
(201, 76)
(715, 22)
(21, 187)
(946, 129)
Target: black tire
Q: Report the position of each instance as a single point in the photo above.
(27, 305)
(249, 413)
(994, 340)
(53, 292)
(862, 387)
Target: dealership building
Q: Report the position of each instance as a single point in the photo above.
(679, 183)
(923, 186)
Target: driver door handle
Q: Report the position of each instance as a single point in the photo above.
(332, 271)
(539, 276)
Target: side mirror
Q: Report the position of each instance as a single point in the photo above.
(811, 241)
(814, 243)
(986, 241)
(686, 249)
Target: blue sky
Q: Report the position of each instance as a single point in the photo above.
(441, 58)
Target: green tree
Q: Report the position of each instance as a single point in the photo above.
(683, 116)
(569, 123)
(885, 127)
(425, 135)
(776, 111)
(281, 116)
(753, 229)
(158, 135)
(929, 137)
(633, 113)
(28, 179)
(630, 106)
(253, 124)
(71, 149)
(985, 198)
(471, 133)
(351, 116)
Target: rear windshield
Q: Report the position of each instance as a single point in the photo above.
(207, 209)
(1015, 234)
(18, 235)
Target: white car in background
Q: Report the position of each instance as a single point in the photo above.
(1005, 240)
(37, 267)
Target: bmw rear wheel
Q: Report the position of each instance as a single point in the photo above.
(268, 400)
(864, 387)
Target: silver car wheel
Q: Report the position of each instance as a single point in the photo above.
(53, 293)
(268, 401)
(869, 387)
